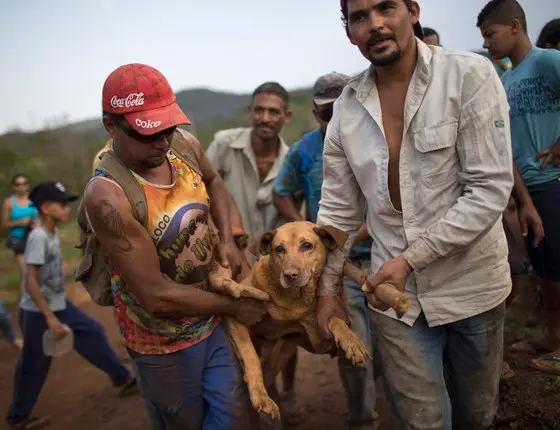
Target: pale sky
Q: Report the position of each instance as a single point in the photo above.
(56, 54)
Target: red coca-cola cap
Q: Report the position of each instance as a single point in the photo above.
(144, 97)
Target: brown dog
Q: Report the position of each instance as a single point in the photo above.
(293, 257)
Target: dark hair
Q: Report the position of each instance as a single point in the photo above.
(428, 31)
(273, 88)
(19, 175)
(502, 12)
(550, 33)
(344, 12)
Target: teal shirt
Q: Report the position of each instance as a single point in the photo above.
(21, 212)
(533, 90)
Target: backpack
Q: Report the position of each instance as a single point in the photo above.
(94, 269)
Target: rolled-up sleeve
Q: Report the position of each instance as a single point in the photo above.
(341, 203)
(484, 151)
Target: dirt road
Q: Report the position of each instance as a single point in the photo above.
(79, 397)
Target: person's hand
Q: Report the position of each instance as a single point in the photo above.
(58, 331)
(248, 311)
(25, 222)
(549, 156)
(394, 272)
(229, 256)
(328, 307)
(528, 216)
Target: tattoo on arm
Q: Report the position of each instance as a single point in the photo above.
(106, 217)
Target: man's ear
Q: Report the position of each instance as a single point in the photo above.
(264, 246)
(288, 114)
(332, 237)
(110, 126)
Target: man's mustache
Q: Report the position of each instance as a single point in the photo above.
(380, 37)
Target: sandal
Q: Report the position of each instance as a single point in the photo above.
(548, 363)
(32, 423)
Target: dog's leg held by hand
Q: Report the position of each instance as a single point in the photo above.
(221, 282)
(245, 351)
(349, 342)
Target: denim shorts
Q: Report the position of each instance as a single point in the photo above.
(546, 258)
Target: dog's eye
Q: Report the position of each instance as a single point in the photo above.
(279, 249)
(306, 246)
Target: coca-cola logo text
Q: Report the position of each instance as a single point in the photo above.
(133, 99)
(147, 124)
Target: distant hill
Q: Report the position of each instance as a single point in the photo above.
(209, 111)
(66, 153)
(202, 106)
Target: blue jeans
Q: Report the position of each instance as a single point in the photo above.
(200, 387)
(32, 367)
(358, 381)
(6, 328)
(443, 377)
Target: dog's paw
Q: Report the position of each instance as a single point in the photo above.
(239, 290)
(354, 348)
(262, 402)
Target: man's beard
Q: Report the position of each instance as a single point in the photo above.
(387, 60)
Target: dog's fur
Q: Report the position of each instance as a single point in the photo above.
(287, 274)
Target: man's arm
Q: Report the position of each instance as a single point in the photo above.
(527, 212)
(132, 252)
(484, 150)
(341, 205)
(221, 203)
(287, 184)
(220, 199)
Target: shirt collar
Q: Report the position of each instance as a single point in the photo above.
(365, 81)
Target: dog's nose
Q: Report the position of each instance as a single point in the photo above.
(291, 274)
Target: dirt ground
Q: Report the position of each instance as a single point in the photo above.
(78, 396)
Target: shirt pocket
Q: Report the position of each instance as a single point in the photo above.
(436, 152)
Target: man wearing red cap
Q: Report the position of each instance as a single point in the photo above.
(423, 135)
(187, 372)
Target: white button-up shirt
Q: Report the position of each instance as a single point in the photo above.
(232, 156)
(455, 181)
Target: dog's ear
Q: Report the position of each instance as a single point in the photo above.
(265, 242)
(332, 237)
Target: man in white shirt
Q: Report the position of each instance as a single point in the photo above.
(248, 159)
(423, 135)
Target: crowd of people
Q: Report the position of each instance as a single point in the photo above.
(422, 159)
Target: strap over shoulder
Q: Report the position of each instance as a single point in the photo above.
(182, 147)
(115, 168)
